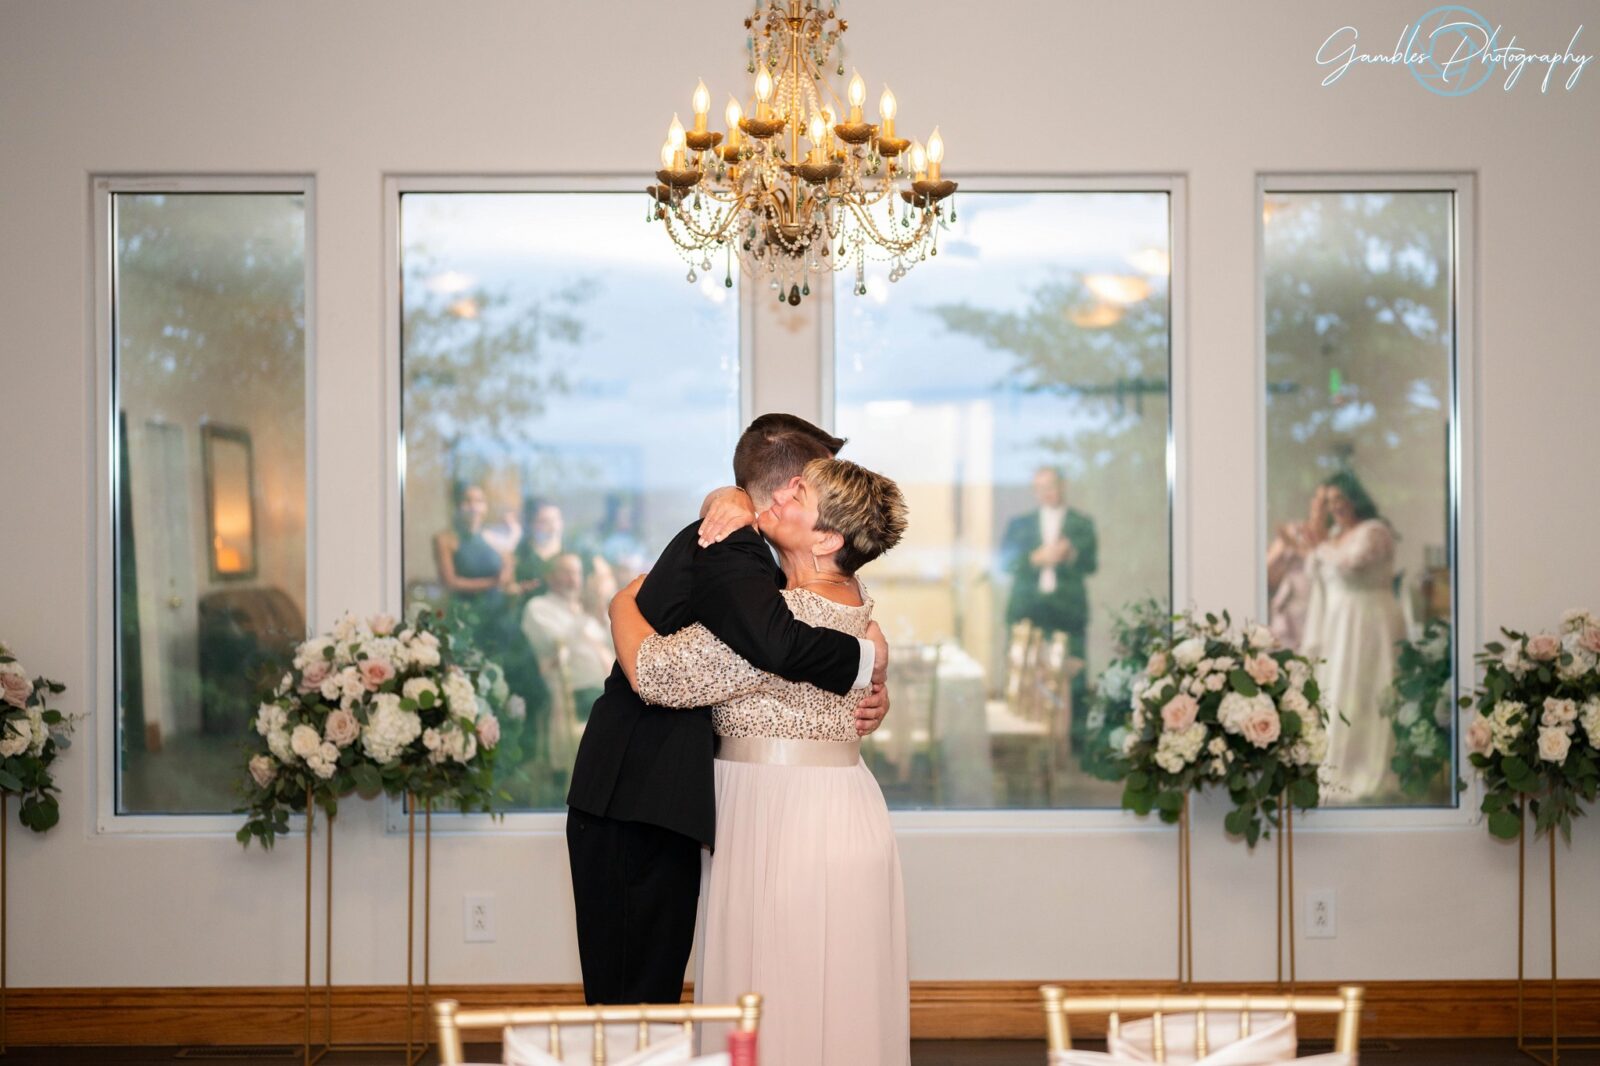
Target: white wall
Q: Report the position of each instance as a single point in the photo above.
(348, 90)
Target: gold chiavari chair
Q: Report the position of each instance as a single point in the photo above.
(451, 1021)
(1058, 1007)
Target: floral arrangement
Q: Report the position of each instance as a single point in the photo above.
(370, 709)
(1215, 707)
(32, 734)
(1535, 737)
(1419, 708)
(1136, 631)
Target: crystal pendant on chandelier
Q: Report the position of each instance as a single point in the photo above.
(852, 191)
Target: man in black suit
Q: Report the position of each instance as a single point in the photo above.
(642, 802)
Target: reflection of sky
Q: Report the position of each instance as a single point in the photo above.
(892, 348)
(653, 387)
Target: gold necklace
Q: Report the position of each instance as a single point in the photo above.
(846, 580)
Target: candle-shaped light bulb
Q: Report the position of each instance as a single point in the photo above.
(935, 154)
(919, 161)
(858, 96)
(886, 111)
(702, 106)
(816, 131)
(668, 150)
(675, 138)
(763, 91)
(733, 114)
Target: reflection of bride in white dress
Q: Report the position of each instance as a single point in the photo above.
(1352, 623)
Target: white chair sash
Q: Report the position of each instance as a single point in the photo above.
(669, 1046)
(1271, 1041)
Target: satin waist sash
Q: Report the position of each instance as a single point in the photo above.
(778, 751)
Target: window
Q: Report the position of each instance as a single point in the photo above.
(208, 357)
(1018, 389)
(566, 403)
(1358, 292)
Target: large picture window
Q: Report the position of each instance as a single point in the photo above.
(208, 437)
(1018, 389)
(567, 400)
(1358, 293)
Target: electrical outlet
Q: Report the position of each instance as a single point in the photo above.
(479, 918)
(1322, 914)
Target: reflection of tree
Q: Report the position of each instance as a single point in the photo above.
(478, 367)
(1357, 289)
(1112, 382)
(228, 317)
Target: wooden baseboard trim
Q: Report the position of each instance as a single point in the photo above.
(939, 1010)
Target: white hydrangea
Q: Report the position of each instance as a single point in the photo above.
(453, 743)
(1589, 718)
(40, 732)
(1299, 673)
(1409, 713)
(422, 650)
(415, 688)
(1576, 619)
(278, 744)
(313, 650)
(1175, 750)
(1232, 711)
(459, 695)
(16, 740)
(270, 716)
(1506, 724)
(1515, 662)
(389, 729)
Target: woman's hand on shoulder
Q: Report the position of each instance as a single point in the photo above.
(724, 511)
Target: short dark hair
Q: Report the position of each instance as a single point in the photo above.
(777, 447)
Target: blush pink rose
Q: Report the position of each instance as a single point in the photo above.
(315, 673)
(374, 672)
(1263, 669)
(381, 624)
(1480, 738)
(488, 730)
(341, 728)
(1590, 639)
(1262, 726)
(1178, 713)
(15, 688)
(1544, 647)
(1157, 664)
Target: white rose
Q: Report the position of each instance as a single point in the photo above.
(304, 741)
(263, 768)
(1259, 638)
(1559, 714)
(314, 650)
(1408, 714)
(1215, 682)
(423, 653)
(351, 684)
(1202, 668)
(1217, 746)
(270, 716)
(1299, 673)
(324, 762)
(1553, 745)
(1295, 700)
(413, 690)
(1189, 652)
(15, 742)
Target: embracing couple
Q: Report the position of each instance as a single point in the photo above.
(720, 779)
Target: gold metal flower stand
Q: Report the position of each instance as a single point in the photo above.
(415, 1046)
(1285, 885)
(1185, 901)
(5, 818)
(1548, 1053)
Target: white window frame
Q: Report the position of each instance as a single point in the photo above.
(533, 823)
(102, 625)
(1066, 819)
(1465, 472)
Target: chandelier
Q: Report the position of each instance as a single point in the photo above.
(854, 191)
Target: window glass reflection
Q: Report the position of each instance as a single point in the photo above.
(567, 402)
(209, 357)
(1018, 391)
(1359, 351)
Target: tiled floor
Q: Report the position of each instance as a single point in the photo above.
(923, 1053)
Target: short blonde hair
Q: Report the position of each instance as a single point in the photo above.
(865, 508)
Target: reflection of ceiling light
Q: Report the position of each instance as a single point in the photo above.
(451, 281)
(1271, 206)
(1118, 288)
(1098, 316)
(1151, 261)
(465, 308)
(714, 290)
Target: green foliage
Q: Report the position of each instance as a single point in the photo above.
(32, 735)
(1416, 703)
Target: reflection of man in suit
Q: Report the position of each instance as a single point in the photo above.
(1049, 552)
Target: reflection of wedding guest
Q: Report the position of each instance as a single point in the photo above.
(468, 564)
(574, 650)
(1049, 553)
(1288, 584)
(540, 546)
(505, 534)
(1352, 624)
(598, 588)
(618, 539)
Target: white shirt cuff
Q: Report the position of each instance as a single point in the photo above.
(869, 659)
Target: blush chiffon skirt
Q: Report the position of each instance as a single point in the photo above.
(802, 901)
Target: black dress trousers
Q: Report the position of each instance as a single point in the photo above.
(636, 887)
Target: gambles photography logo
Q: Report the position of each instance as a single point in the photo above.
(1453, 50)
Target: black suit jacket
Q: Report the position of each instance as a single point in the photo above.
(641, 763)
